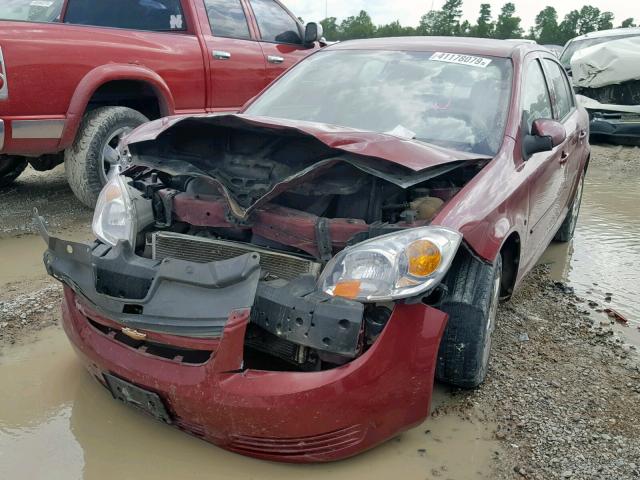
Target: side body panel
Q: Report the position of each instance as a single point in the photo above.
(52, 68)
(500, 200)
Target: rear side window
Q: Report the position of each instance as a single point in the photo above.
(154, 15)
(561, 93)
(31, 10)
(227, 19)
(535, 100)
(276, 25)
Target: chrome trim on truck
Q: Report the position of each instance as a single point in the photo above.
(37, 128)
(1, 134)
(4, 89)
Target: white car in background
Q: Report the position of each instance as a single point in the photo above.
(591, 39)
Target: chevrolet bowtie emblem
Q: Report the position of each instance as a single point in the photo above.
(134, 334)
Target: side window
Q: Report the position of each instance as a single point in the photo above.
(227, 19)
(276, 25)
(153, 15)
(562, 95)
(535, 99)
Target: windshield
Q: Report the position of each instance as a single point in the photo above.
(573, 47)
(31, 10)
(455, 101)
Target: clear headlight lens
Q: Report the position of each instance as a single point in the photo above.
(398, 265)
(114, 216)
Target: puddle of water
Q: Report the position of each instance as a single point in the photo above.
(56, 422)
(604, 256)
(22, 256)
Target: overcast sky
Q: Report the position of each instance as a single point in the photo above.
(410, 11)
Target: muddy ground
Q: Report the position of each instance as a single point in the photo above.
(562, 399)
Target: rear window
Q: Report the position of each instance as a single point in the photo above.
(153, 15)
(31, 10)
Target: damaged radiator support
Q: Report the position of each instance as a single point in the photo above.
(204, 250)
(290, 307)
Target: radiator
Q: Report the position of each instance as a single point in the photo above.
(205, 250)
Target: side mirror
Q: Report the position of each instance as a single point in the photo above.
(313, 33)
(545, 135)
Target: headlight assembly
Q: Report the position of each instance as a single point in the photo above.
(114, 218)
(394, 266)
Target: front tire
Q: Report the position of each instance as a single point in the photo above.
(568, 227)
(472, 304)
(11, 167)
(93, 158)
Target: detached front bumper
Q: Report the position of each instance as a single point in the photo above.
(285, 416)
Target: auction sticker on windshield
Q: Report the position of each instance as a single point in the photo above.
(460, 59)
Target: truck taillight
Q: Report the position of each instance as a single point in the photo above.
(4, 86)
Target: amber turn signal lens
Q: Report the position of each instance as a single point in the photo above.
(347, 289)
(424, 258)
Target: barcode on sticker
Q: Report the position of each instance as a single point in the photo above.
(461, 59)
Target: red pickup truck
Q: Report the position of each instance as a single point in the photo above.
(76, 75)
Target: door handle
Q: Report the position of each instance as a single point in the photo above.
(564, 157)
(220, 55)
(583, 133)
(275, 59)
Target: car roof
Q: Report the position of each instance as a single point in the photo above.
(468, 45)
(609, 33)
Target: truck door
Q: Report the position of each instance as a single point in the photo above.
(281, 36)
(236, 59)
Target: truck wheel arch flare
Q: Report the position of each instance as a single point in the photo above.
(103, 75)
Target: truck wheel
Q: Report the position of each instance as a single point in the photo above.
(568, 227)
(10, 168)
(472, 305)
(94, 158)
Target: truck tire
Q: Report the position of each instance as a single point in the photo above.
(10, 168)
(472, 303)
(568, 227)
(93, 157)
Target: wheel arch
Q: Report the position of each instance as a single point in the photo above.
(104, 76)
(511, 254)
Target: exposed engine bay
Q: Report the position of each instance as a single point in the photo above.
(213, 192)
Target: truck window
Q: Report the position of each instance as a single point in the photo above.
(31, 10)
(154, 15)
(276, 25)
(227, 19)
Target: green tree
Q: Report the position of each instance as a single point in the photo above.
(508, 25)
(330, 28)
(444, 22)
(627, 23)
(485, 26)
(545, 30)
(605, 22)
(569, 26)
(463, 29)
(450, 18)
(360, 26)
(428, 23)
(588, 19)
(394, 29)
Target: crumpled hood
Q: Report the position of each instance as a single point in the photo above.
(411, 154)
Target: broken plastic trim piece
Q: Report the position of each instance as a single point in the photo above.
(176, 297)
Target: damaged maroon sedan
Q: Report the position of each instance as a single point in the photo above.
(287, 282)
